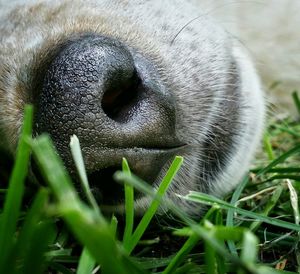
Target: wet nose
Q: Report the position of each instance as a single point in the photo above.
(109, 95)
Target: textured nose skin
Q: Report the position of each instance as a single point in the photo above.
(107, 94)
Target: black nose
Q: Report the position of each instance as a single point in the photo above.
(112, 98)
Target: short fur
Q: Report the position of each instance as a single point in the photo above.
(219, 98)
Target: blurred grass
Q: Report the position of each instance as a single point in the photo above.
(254, 230)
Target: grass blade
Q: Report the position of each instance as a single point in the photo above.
(210, 200)
(35, 257)
(86, 263)
(154, 204)
(296, 100)
(249, 250)
(294, 201)
(114, 225)
(279, 160)
(270, 205)
(78, 159)
(13, 198)
(210, 259)
(230, 214)
(34, 217)
(129, 206)
(268, 147)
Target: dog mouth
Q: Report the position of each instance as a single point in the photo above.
(102, 163)
(146, 163)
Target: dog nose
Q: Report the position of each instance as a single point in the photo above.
(109, 95)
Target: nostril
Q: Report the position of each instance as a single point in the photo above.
(120, 97)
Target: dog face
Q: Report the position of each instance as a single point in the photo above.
(135, 79)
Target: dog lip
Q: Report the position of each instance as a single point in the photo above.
(146, 148)
(99, 158)
(168, 146)
(145, 162)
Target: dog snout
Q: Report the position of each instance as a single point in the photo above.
(113, 99)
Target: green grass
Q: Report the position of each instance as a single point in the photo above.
(253, 230)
